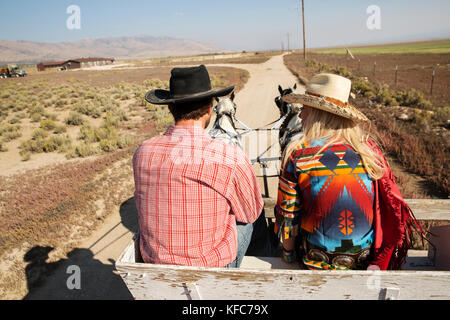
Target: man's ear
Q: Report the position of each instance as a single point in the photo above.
(295, 86)
(217, 99)
(232, 96)
(280, 89)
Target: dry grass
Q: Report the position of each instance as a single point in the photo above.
(56, 205)
(46, 205)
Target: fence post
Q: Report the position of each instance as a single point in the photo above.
(396, 72)
(359, 65)
(432, 81)
(374, 68)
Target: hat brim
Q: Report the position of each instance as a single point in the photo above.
(348, 111)
(159, 96)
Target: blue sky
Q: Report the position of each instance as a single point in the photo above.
(231, 24)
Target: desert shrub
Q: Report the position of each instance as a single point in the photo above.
(89, 95)
(60, 103)
(39, 133)
(125, 141)
(57, 143)
(343, 71)
(51, 116)
(14, 120)
(60, 129)
(35, 117)
(2, 146)
(112, 143)
(45, 95)
(151, 107)
(21, 115)
(311, 63)
(216, 82)
(26, 155)
(139, 94)
(156, 83)
(48, 124)
(93, 134)
(124, 97)
(412, 97)
(111, 120)
(36, 109)
(442, 114)
(87, 133)
(384, 95)
(5, 95)
(9, 132)
(19, 106)
(33, 145)
(82, 150)
(89, 110)
(74, 119)
(422, 117)
(108, 145)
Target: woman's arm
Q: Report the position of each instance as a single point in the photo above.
(288, 207)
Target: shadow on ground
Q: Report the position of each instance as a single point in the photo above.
(129, 215)
(79, 276)
(97, 280)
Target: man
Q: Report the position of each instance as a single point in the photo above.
(190, 190)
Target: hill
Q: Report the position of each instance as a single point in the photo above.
(120, 48)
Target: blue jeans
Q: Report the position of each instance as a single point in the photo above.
(244, 235)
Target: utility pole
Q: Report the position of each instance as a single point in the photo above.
(303, 19)
(288, 45)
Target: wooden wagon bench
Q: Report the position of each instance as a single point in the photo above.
(425, 274)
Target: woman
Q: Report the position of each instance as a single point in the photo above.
(328, 186)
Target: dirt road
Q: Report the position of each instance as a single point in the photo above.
(95, 257)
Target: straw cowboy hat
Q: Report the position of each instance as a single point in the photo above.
(187, 85)
(328, 92)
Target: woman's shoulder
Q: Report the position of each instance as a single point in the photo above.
(305, 150)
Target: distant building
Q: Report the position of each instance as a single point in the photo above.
(50, 65)
(75, 63)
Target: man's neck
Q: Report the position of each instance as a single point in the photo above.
(201, 123)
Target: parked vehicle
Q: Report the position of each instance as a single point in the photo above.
(12, 70)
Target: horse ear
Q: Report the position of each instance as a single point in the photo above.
(295, 86)
(232, 96)
(217, 99)
(280, 89)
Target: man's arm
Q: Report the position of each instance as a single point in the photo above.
(244, 194)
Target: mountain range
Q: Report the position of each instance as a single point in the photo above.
(135, 47)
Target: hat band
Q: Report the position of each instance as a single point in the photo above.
(337, 102)
(180, 96)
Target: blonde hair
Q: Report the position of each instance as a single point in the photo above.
(322, 124)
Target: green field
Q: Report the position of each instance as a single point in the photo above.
(428, 47)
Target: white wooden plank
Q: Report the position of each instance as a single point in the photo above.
(430, 209)
(166, 282)
(150, 281)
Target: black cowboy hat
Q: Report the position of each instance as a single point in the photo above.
(187, 85)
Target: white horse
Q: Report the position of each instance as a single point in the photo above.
(290, 125)
(224, 127)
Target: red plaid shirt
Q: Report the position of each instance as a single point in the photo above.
(190, 191)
